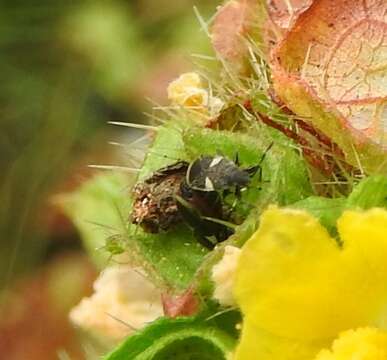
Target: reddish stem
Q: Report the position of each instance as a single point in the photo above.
(316, 160)
(321, 137)
(185, 304)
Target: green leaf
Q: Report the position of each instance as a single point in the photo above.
(326, 210)
(182, 338)
(167, 148)
(370, 192)
(97, 209)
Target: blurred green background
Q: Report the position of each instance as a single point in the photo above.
(67, 68)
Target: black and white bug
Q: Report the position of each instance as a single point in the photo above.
(218, 173)
(193, 193)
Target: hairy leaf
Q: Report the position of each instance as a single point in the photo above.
(171, 258)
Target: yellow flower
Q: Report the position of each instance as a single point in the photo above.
(298, 289)
(362, 344)
(189, 91)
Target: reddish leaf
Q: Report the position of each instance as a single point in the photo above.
(264, 20)
(331, 67)
(232, 23)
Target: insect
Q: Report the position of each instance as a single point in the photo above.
(193, 193)
(218, 174)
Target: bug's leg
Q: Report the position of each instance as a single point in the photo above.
(238, 192)
(259, 174)
(232, 207)
(238, 195)
(236, 161)
(265, 152)
(192, 218)
(225, 234)
(202, 240)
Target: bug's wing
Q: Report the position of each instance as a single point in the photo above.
(178, 167)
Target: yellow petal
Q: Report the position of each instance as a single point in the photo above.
(296, 284)
(256, 344)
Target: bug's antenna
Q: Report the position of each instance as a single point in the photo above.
(265, 152)
(254, 169)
